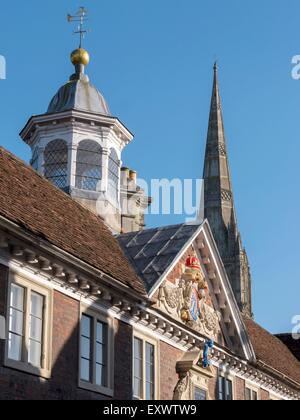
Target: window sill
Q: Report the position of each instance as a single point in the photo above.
(27, 368)
(97, 389)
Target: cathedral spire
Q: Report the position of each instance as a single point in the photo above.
(219, 206)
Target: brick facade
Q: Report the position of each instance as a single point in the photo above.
(169, 356)
(213, 385)
(264, 395)
(123, 361)
(239, 389)
(63, 384)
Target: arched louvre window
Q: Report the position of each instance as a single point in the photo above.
(56, 163)
(113, 175)
(88, 165)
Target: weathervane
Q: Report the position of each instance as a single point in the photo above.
(81, 18)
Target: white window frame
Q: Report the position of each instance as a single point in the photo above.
(229, 378)
(91, 386)
(252, 388)
(23, 365)
(146, 339)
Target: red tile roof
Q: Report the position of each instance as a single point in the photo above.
(271, 351)
(291, 343)
(35, 204)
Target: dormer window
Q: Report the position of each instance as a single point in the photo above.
(56, 163)
(89, 166)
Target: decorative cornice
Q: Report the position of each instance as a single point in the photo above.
(70, 275)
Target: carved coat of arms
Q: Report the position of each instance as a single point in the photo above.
(189, 300)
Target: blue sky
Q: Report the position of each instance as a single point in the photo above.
(153, 60)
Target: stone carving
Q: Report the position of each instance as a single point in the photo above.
(188, 300)
(181, 391)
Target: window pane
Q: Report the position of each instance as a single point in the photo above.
(149, 371)
(14, 347)
(221, 386)
(149, 353)
(16, 321)
(254, 396)
(101, 333)
(35, 329)
(86, 326)
(35, 353)
(138, 348)
(100, 356)
(200, 394)
(85, 344)
(101, 375)
(56, 162)
(248, 394)
(88, 165)
(17, 297)
(37, 302)
(85, 348)
(149, 391)
(137, 388)
(138, 368)
(85, 370)
(228, 390)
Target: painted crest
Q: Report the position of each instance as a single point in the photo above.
(189, 299)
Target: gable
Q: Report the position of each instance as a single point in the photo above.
(185, 296)
(219, 317)
(153, 251)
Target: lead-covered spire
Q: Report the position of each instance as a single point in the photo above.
(219, 206)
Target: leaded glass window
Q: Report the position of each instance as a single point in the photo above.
(56, 163)
(113, 175)
(88, 165)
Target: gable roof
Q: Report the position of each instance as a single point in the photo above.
(272, 352)
(33, 203)
(155, 252)
(152, 251)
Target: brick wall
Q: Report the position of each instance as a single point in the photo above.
(123, 361)
(169, 356)
(264, 395)
(239, 389)
(63, 384)
(213, 385)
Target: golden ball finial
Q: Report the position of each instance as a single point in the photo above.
(80, 56)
